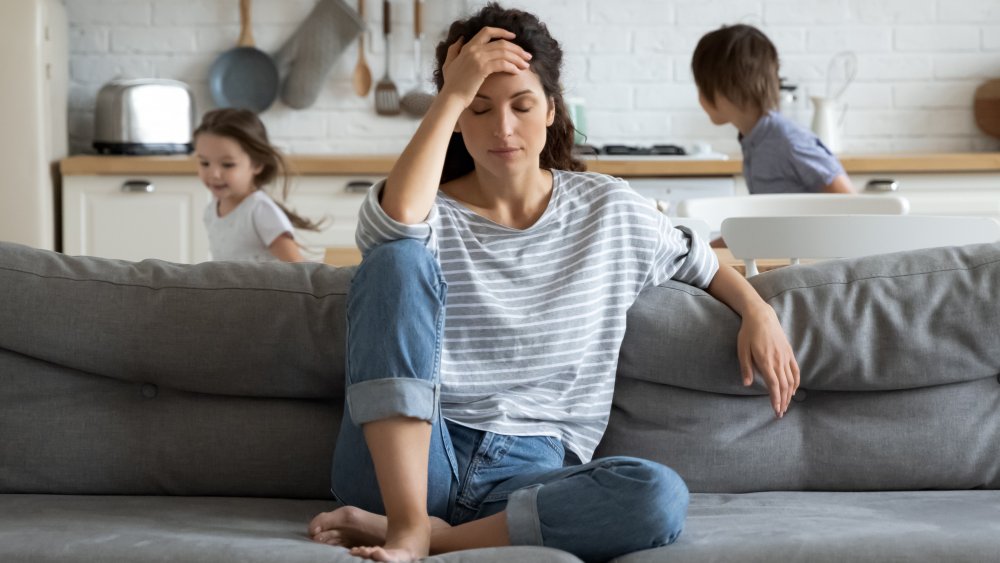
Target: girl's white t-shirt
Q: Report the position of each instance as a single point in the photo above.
(246, 233)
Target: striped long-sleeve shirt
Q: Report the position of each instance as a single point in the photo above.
(535, 317)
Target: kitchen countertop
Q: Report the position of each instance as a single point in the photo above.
(378, 165)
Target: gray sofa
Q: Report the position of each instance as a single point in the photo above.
(153, 411)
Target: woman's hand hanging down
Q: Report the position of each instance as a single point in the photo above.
(413, 182)
(761, 342)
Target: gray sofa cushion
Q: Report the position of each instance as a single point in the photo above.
(157, 378)
(191, 529)
(230, 328)
(84, 342)
(953, 526)
(960, 526)
(899, 354)
(70, 432)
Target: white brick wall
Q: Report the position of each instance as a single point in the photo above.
(919, 64)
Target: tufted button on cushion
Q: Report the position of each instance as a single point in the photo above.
(149, 390)
(799, 396)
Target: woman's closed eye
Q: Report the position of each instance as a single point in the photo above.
(481, 111)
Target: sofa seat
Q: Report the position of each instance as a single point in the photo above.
(190, 529)
(820, 527)
(952, 526)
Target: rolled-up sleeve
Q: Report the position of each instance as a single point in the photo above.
(683, 256)
(376, 227)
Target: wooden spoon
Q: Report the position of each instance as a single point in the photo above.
(362, 74)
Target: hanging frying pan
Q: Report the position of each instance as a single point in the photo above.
(245, 76)
(986, 107)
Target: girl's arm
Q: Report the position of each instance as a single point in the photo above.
(840, 185)
(412, 184)
(284, 248)
(761, 341)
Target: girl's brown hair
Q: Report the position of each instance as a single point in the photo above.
(740, 63)
(546, 62)
(244, 127)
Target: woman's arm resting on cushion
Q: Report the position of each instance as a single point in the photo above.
(761, 341)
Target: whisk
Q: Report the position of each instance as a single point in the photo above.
(847, 62)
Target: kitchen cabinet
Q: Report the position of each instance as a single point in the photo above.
(951, 193)
(336, 200)
(959, 193)
(104, 215)
(135, 217)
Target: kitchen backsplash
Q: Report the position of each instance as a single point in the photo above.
(918, 64)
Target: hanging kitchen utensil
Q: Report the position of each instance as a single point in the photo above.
(244, 77)
(986, 107)
(308, 55)
(362, 78)
(386, 95)
(417, 101)
(847, 61)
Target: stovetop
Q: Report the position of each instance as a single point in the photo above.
(630, 150)
(606, 152)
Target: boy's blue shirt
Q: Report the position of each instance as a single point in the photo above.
(782, 157)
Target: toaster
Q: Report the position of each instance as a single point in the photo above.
(144, 116)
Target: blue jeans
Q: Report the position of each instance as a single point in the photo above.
(597, 511)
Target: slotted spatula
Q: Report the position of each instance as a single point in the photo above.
(386, 95)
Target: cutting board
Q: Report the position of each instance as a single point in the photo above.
(986, 107)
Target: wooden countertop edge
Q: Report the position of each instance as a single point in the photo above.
(379, 165)
(948, 162)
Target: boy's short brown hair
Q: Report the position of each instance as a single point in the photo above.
(740, 63)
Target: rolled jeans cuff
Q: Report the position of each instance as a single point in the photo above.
(378, 399)
(523, 525)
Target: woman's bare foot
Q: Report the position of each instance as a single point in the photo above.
(408, 542)
(351, 527)
(348, 526)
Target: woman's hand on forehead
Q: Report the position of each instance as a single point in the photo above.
(469, 63)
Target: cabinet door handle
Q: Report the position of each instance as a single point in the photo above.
(357, 186)
(138, 186)
(882, 185)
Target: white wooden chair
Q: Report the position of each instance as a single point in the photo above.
(698, 226)
(847, 236)
(714, 210)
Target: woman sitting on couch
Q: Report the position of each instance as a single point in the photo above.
(472, 423)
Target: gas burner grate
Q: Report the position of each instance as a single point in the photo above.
(673, 150)
(630, 150)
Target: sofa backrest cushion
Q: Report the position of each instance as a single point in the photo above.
(227, 378)
(228, 328)
(157, 378)
(899, 358)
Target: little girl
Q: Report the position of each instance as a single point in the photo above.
(236, 160)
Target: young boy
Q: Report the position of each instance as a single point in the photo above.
(736, 71)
